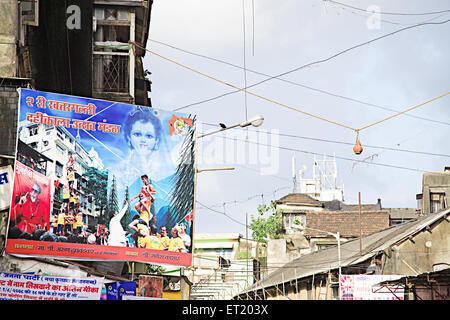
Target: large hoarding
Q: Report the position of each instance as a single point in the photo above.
(97, 179)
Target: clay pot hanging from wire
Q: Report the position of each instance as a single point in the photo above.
(357, 148)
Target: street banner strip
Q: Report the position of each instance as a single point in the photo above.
(102, 180)
(17, 286)
(368, 287)
(6, 184)
(87, 251)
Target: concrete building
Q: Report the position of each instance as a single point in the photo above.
(224, 264)
(435, 194)
(301, 213)
(76, 47)
(416, 250)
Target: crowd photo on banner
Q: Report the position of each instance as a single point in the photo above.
(102, 173)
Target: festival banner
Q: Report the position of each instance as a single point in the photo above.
(368, 287)
(30, 206)
(17, 286)
(6, 184)
(114, 181)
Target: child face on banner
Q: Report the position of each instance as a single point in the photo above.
(143, 137)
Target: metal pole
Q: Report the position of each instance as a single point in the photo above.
(217, 131)
(215, 169)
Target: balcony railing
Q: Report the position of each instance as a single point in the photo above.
(110, 73)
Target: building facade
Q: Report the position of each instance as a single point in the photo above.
(435, 194)
(75, 47)
(416, 252)
(224, 264)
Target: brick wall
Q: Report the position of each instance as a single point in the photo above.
(347, 222)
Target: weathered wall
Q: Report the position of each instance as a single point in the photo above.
(418, 255)
(61, 58)
(434, 182)
(8, 120)
(8, 38)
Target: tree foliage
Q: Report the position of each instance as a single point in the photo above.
(265, 228)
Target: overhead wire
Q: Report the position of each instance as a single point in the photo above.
(376, 16)
(222, 213)
(339, 142)
(357, 130)
(241, 89)
(323, 154)
(407, 110)
(317, 62)
(390, 13)
(297, 84)
(243, 200)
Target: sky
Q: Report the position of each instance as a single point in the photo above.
(242, 42)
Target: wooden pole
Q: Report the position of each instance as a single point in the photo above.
(360, 232)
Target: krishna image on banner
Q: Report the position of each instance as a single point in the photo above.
(120, 176)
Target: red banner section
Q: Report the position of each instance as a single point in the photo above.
(93, 252)
(30, 205)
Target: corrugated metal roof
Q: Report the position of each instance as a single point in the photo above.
(327, 259)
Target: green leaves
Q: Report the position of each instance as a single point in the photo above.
(266, 228)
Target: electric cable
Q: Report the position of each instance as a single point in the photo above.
(322, 154)
(338, 142)
(222, 213)
(390, 13)
(296, 83)
(287, 106)
(316, 62)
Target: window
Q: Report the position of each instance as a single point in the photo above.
(33, 130)
(321, 246)
(113, 62)
(29, 11)
(419, 202)
(59, 169)
(294, 219)
(60, 150)
(437, 202)
(110, 73)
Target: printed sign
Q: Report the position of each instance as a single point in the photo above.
(151, 286)
(101, 180)
(366, 287)
(117, 290)
(17, 286)
(6, 184)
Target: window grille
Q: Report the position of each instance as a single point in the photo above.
(110, 73)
